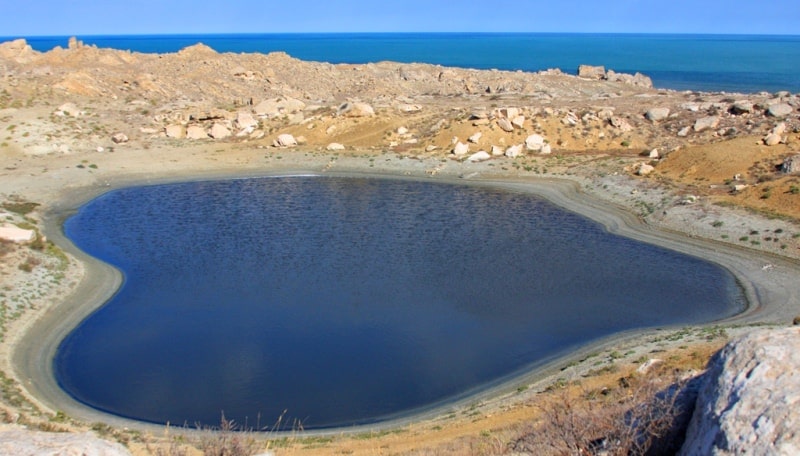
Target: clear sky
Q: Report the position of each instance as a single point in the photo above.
(92, 17)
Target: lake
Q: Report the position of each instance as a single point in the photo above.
(343, 301)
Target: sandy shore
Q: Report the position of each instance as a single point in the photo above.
(770, 282)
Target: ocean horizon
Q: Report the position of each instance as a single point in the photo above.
(719, 63)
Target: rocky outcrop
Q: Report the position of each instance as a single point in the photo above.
(706, 123)
(29, 443)
(657, 114)
(750, 401)
(13, 233)
(285, 140)
(356, 110)
(591, 72)
(780, 110)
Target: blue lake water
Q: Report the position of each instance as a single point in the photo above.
(734, 63)
(344, 301)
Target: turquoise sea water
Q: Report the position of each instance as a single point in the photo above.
(733, 63)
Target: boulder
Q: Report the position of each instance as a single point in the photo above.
(479, 156)
(497, 151)
(505, 125)
(643, 169)
(742, 107)
(196, 132)
(779, 110)
(546, 149)
(356, 109)
(402, 131)
(175, 131)
(514, 151)
(749, 401)
(791, 165)
(335, 146)
(509, 113)
(654, 154)
(518, 121)
(591, 72)
(245, 120)
(706, 123)
(772, 139)
(119, 138)
(408, 108)
(475, 138)
(285, 140)
(278, 106)
(460, 149)
(620, 124)
(219, 131)
(657, 114)
(534, 142)
(13, 233)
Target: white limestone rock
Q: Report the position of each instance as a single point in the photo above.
(356, 109)
(460, 149)
(196, 132)
(245, 120)
(791, 165)
(497, 151)
(591, 72)
(219, 131)
(285, 140)
(779, 110)
(119, 138)
(657, 114)
(505, 125)
(706, 123)
(13, 233)
(479, 156)
(518, 122)
(620, 124)
(475, 138)
(514, 151)
(175, 131)
(30, 443)
(750, 400)
(534, 142)
(335, 146)
(69, 109)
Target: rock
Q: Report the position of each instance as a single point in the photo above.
(356, 109)
(749, 402)
(772, 139)
(534, 142)
(591, 72)
(620, 124)
(409, 108)
(335, 146)
(637, 79)
(706, 123)
(175, 131)
(460, 149)
(514, 151)
(285, 140)
(509, 113)
(69, 109)
(402, 131)
(245, 120)
(779, 110)
(497, 151)
(657, 114)
(119, 138)
(30, 443)
(475, 138)
(196, 132)
(742, 107)
(518, 121)
(684, 132)
(13, 233)
(643, 169)
(791, 165)
(646, 366)
(779, 129)
(430, 148)
(570, 119)
(479, 156)
(278, 106)
(219, 131)
(740, 187)
(505, 124)
(654, 154)
(546, 149)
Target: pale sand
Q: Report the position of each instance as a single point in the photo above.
(774, 291)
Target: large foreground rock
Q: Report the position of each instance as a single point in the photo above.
(28, 443)
(750, 402)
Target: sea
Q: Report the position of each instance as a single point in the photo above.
(719, 63)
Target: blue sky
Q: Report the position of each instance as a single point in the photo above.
(92, 17)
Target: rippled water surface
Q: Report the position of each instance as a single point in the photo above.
(343, 301)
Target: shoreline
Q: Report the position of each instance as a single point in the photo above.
(769, 291)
